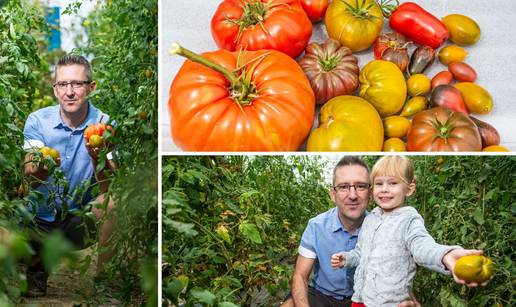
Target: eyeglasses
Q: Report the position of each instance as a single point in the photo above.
(75, 84)
(346, 188)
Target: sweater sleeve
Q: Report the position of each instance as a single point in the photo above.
(353, 256)
(424, 249)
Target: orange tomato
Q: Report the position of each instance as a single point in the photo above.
(474, 268)
(269, 108)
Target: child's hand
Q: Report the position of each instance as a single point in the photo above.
(338, 260)
(451, 258)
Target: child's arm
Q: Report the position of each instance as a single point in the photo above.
(424, 249)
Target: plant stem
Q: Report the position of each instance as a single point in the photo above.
(197, 58)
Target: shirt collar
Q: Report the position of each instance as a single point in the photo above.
(336, 225)
(57, 121)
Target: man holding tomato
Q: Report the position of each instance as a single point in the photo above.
(61, 127)
(338, 228)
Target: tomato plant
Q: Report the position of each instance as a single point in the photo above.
(261, 24)
(240, 101)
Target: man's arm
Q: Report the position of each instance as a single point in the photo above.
(100, 176)
(35, 172)
(300, 278)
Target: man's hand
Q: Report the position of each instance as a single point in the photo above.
(338, 260)
(451, 258)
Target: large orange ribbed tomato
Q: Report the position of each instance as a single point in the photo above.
(261, 24)
(249, 101)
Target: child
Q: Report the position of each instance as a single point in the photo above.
(392, 240)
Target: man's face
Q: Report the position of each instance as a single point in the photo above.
(351, 204)
(72, 97)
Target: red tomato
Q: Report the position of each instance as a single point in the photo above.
(211, 111)
(418, 25)
(315, 9)
(462, 72)
(440, 129)
(261, 24)
(442, 78)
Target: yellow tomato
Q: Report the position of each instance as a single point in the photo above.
(463, 30)
(396, 126)
(347, 123)
(452, 53)
(474, 268)
(355, 24)
(413, 106)
(418, 85)
(495, 148)
(476, 98)
(383, 85)
(394, 145)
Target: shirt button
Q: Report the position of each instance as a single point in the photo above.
(68, 157)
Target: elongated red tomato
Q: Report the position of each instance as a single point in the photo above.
(418, 25)
(261, 24)
(267, 106)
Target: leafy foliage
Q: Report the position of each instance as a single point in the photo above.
(122, 40)
(231, 225)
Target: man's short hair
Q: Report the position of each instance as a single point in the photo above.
(74, 59)
(349, 160)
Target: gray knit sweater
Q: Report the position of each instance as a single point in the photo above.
(388, 248)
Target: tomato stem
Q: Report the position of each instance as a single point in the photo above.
(177, 49)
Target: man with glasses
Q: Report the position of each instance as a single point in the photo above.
(335, 229)
(62, 127)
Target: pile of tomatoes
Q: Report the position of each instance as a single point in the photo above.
(252, 94)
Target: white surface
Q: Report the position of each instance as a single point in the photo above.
(493, 56)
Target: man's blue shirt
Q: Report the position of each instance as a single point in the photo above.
(45, 127)
(323, 237)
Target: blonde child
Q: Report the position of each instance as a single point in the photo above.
(393, 240)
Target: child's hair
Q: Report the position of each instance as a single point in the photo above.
(396, 166)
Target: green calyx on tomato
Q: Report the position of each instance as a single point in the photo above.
(360, 10)
(387, 7)
(242, 90)
(254, 13)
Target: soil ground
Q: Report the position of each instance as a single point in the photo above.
(67, 288)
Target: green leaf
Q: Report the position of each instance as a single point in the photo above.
(228, 304)
(251, 232)
(478, 216)
(55, 248)
(203, 296)
(173, 289)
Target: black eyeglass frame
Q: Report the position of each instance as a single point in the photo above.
(347, 187)
(79, 83)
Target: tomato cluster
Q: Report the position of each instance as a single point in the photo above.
(252, 96)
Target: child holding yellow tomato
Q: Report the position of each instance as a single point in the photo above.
(393, 240)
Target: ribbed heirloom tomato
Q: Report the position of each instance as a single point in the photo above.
(248, 101)
(261, 24)
(441, 129)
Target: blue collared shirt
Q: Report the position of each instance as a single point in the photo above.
(323, 237)
(45, 127)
